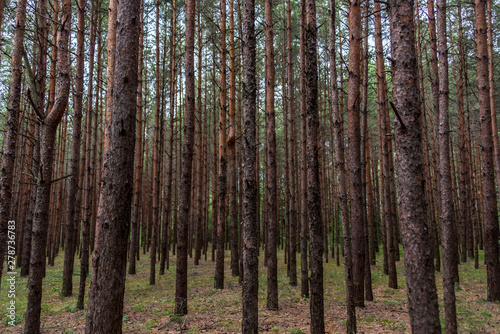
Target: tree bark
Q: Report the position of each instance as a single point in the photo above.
(221, 215)
(107, 287)
(12, 128)
(488, 191)
(186, 168)
(448, 230)
(249, 323)
(313, 181)
(48, 129)
(271, 184)
(422, 296)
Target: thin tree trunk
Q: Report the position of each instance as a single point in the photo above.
(448, 230)
(291, 151)
(187, 163)
(340, 170)
(221, 214)
(271, 184)
(231, 143)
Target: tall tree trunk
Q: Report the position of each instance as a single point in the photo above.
(340, 169)
(491, 79)
(448, 231)
(88, 186)
(304, 280)
(291, 151)
(168, 188)
(354, 163)
(382, 105)
(422, 296)
(105, 310)
(12, 127)
(187, 163)
(271, 185)
(156, 157)
(138, 158)
(488, 191)
(221, 214)
(48, 129)
(249, 323)
(313, 181)
(231, 142)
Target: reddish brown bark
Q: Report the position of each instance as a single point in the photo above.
(488, 191)
(12, 127)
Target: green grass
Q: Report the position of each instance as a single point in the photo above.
(150, 308)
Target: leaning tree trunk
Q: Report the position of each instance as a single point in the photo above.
(422, 295)
(48, 130)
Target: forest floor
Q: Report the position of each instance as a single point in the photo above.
(149, 309)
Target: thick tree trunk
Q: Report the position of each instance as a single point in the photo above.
(105, 310)
(422, 296)
(249, 323)
(488, 191)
